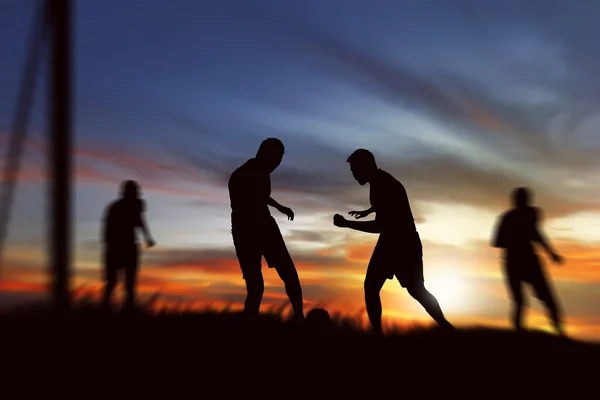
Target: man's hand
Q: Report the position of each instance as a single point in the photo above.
(150, 242)
(360, 214)
(558, 259)
(287, 211)
(339, 221)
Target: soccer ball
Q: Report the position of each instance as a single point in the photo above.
(318, 319)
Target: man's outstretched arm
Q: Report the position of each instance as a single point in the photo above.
(282, 209)
(362, 214)
(274, 203)
(362, 226)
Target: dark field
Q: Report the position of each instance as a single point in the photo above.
(223, 355)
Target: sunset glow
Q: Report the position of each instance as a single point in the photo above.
(454, 105)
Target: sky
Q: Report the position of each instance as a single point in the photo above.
(461, 101)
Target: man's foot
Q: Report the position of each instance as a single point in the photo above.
(297, 318)
(560, 330)
(377, 332)
(446, 326)
(105, 305)
(250, 315)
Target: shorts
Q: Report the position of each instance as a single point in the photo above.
(117, 257)
(262, 240)
(398, 256)
(527, 270)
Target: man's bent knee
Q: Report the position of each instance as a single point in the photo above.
(254, 282)
(372, 288)
(289, 275)
(417, 289)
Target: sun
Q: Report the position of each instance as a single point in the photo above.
(449, 290)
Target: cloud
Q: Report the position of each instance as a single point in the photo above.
(99, 165)
(310, 236)
(506, 143)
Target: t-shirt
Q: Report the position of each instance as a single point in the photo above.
(517, 228)
(390, 203)
(249, 192)
(122, 217)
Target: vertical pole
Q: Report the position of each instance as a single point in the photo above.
(60, 150)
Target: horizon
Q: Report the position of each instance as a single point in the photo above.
(460, 102)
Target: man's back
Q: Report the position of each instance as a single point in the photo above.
(122, 218)
(249, 192)
(516, 231)
(392, 207)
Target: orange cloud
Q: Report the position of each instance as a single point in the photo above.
(20, 286)
(332, 278)
(361, 252)
(582, 262)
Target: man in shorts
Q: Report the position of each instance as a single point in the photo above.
(516, 230)
(398, 251)
(255, 232)
(121, 220)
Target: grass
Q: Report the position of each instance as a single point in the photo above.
(221, 350)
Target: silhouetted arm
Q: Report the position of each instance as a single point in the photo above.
(539, 237)
(362, 214)
(363, 226)
(282, 209)
(144, 226)
(374, 226)
(274, 203)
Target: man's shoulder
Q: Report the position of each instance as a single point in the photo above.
(506, 214)
(246, 169)
(526, 212)
(113, 205)
(384, 177)
(125, 205)
(521, 215)
(388, 183)
(536, 213)
(509, 215)
(112, 209)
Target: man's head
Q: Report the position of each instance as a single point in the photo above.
(363, 165)
(521, 197)
(270, 153)
(130, 190)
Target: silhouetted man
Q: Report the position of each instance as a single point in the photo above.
(398, 251)
(122, 219)
(516, 231)
(255, 232)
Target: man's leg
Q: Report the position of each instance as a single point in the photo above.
(278, 257)
(248, 251)
(515, 287)
(255, 287)
(410, 275)
(374, 281)
(293, 289)
(545, 294)
(418, 291)
(110, 275)
(131, 271)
